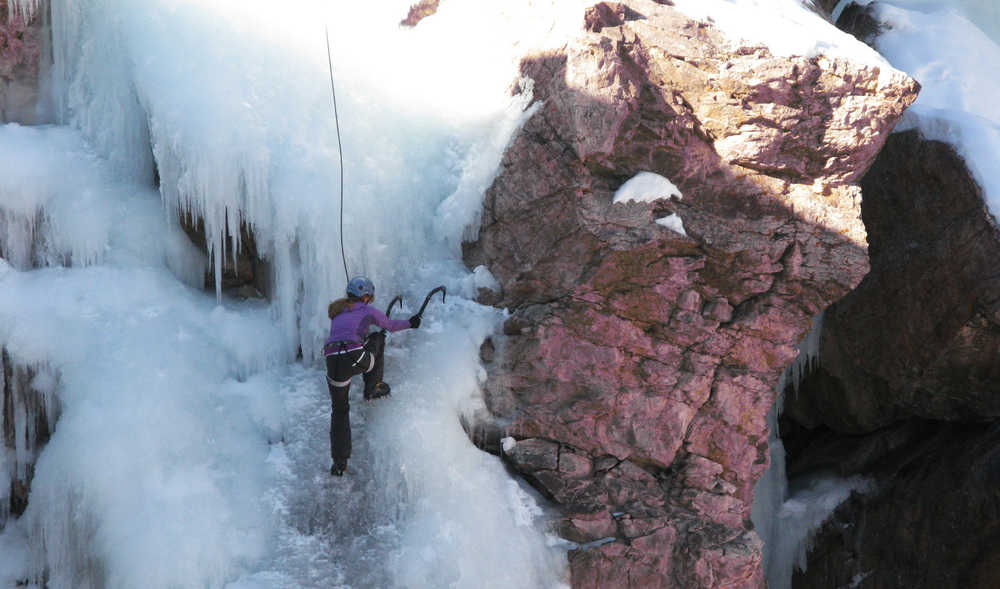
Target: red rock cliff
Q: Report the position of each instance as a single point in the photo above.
(639, 363)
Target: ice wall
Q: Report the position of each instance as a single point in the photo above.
(232, 100)
(166, 468)
(49, 219)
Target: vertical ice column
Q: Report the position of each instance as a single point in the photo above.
(771, 490)
(29, 412)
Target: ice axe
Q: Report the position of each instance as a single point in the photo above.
(427, 299)
(392, 303)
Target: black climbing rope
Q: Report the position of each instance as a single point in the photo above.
(340, 151)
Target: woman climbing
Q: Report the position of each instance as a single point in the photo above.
(351, 350)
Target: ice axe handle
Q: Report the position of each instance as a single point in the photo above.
(392, 303)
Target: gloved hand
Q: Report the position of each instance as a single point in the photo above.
(415, 321)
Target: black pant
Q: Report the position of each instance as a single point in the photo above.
(339, 370)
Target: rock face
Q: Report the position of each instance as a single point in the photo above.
(932, 292)
(905, 387)
(20, 56)
(639, 363)
(824, 7)
(419, 12)
(933, 521)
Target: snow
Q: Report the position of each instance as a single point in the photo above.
(785, 27)
(192, 448)
(482, 278)
(952, 49)
(672, 222)
(651, 187)
(646, 187)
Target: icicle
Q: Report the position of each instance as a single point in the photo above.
(787, 523)
(26, 9)
(7, 466)
(771, 490)
(17, 235)
(51, 218)
(29, 412)
(807, 359)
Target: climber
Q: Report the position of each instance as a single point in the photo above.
(351, 350)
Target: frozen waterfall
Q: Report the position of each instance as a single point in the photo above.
(787, 514)
(191, 448)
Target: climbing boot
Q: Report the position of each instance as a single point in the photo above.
(377, 392)
(338, 469)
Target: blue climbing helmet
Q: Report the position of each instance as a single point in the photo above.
(360, 286)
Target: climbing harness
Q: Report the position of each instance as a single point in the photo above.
(344, 349)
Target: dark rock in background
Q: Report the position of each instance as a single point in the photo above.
(933, 521)
(920, 336)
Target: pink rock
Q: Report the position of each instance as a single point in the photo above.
(656, 354)
(573, 465)
(419, 11)
(585, 528)
(20, 51)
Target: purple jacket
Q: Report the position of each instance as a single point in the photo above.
(353, 324)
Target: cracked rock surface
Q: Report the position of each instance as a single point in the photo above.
(639, 363)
